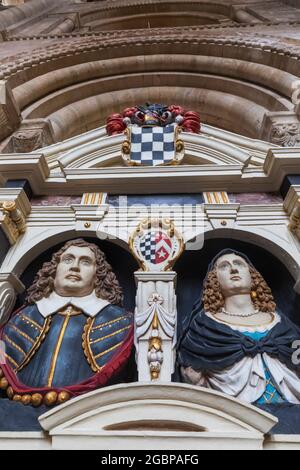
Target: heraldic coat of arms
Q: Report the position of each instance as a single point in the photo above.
(153, 133)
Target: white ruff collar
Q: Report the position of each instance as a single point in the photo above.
(90, 304)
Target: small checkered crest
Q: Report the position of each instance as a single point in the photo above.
(156, 244)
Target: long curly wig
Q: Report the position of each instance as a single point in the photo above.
(214, 301)
(107, 286)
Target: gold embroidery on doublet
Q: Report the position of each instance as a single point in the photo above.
(86, 344)
(36, 344)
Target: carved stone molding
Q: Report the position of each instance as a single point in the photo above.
(97, 45)
(10, 286)
(152, 320)
(155, 325)
(156, 416)
(34, 165)
(9, 112)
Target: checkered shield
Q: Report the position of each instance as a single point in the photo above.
(155, 247)
(152, 146)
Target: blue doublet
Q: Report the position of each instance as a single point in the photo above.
(63, 350)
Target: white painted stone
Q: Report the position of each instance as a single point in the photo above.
(156, 416)
(163, 284)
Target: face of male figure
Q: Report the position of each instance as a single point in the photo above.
(233, 275)
(76, 272)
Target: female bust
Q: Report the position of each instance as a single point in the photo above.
(238, 343)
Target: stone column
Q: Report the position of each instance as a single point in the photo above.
(10, 286)
(155, 325)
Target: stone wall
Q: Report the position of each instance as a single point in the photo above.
(70, 65)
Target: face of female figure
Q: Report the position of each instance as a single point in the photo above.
(233, 275)
(76, 272)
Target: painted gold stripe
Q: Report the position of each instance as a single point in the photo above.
(93, 198)
(23, 334)
(100, 196)
(32, 322)
(87, 347)
(108, 350)
(224, 197)
(57, 349)
(209, 199)
(16, 346)
(217, 199)
(110, 335)
(108, 323)
(37, 344)
(86, 198)
(11, 360)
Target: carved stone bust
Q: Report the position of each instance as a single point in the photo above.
(72, 335)
(237, 342)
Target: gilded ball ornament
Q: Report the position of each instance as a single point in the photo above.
(50, 398)
(17, 398)
(36, 399)
(10, 393)
(26, 400)
(63, 397)
(4, 383)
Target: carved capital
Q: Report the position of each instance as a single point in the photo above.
(286, 134)
(291, 205)
(281, 128)
(294, 225)
(32, 135)
(14, 208)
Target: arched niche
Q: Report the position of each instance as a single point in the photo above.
(192, 268)
(76, 86)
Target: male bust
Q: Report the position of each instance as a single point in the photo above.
(238, 343)
(73, 335)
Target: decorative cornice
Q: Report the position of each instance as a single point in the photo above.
(32, 167)
(231, 163)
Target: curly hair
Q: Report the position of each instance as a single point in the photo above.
(106, 285)
(214, 301)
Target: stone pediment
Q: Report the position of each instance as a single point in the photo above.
(215, 160)
(139, 415)
(213, 146)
